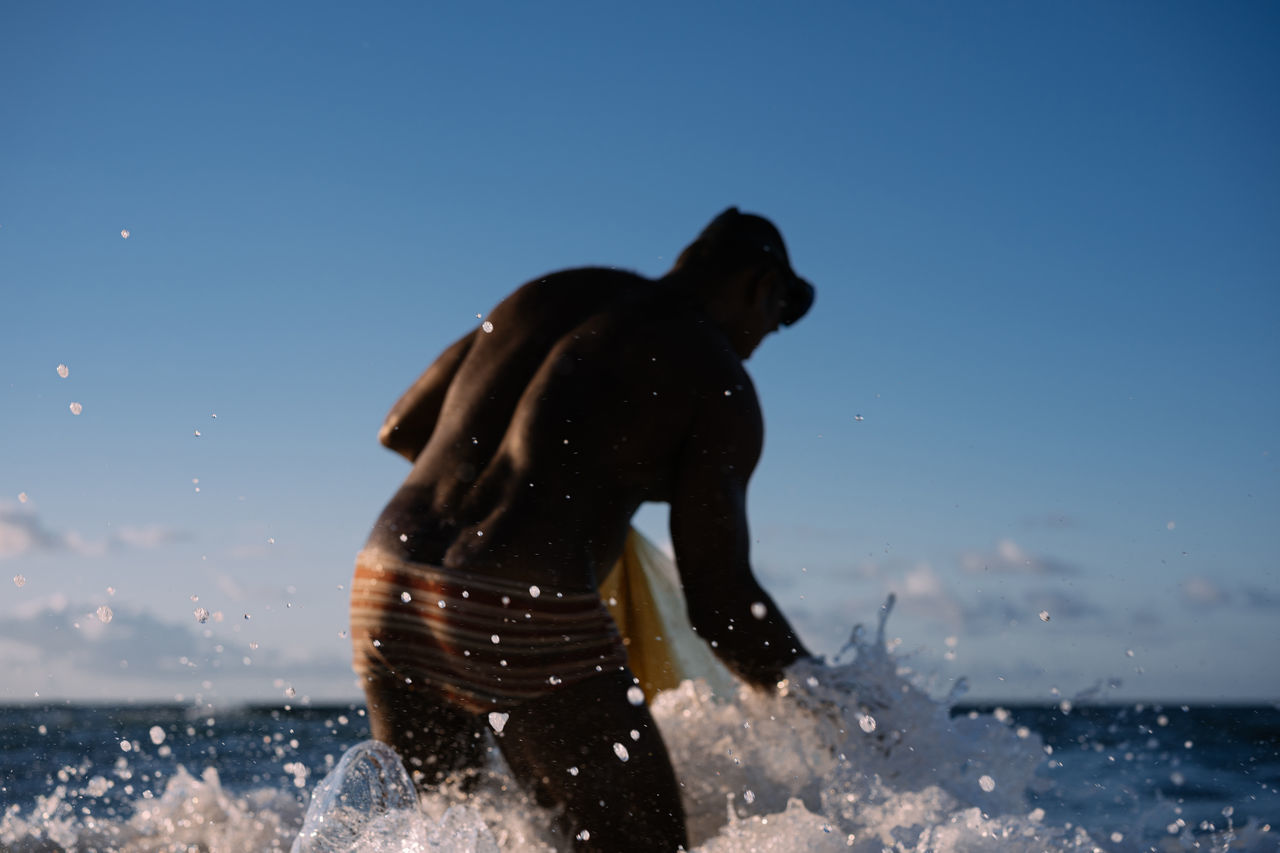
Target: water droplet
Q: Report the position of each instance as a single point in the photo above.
(635, 695)
(585, 835)
(857, 417)
(63, 371)
(201, 615)
(406, 597)
(197, 433)
(498, 720)
(1044, 615)
(573, 771)
(534, 591)
(867, 723)
(404, 537)
(748, 796)
(553, 679)
(157, 735)
(986, 783)
(728, 393)
(621, 751)
(22, 497)
(124, 232)
(76, 408)
(487, 326)
(271, 540)
(495, 639)
(1117, 837)
(104, 614)
(758, 610)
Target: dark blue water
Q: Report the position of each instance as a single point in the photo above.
(1134, 775)
(1143, 767)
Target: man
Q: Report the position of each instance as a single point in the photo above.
(534, 440)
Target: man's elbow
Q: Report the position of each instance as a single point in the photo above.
(387, 434)
(392, 438)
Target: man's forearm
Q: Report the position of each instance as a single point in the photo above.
(752, 638)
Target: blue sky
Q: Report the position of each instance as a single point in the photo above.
(1040, 375)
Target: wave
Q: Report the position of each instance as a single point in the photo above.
(852, 755)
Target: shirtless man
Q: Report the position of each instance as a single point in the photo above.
(534, 440)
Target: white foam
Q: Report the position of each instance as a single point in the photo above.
(797, 770)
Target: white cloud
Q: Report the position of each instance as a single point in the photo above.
(149, 536)
(1202, 592)
(138, 655)
(22, 532)
(1010, 558)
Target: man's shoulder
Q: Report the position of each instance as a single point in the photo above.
(548, 306)
(584, 277)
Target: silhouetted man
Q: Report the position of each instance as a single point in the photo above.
(534, 440)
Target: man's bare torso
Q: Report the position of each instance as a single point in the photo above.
(573, 410)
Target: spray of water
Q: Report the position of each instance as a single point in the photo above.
(850, 755)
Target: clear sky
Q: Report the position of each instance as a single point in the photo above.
(1041, 374)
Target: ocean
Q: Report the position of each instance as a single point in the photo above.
(850, 755)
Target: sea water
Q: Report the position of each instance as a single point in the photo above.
(852, 755)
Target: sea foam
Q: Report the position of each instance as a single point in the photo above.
(851, 755)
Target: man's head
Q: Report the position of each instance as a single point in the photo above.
(746, 252)
(735, 241)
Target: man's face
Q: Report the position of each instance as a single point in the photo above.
(766, 309)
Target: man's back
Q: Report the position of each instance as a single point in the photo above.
(572, 405)
(534, 440)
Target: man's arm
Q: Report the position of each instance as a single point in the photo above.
(727, 606)
(412, 419)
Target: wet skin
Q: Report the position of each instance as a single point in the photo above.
(533, 445)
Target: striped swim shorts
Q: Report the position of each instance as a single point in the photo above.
(481, 643)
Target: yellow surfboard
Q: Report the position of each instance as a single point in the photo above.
(644, 595)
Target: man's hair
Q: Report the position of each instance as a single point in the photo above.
(735, 241)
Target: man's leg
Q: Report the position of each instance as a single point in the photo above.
(433, 738)
(575, 749)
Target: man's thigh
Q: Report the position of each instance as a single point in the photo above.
(588, 750)
(434, 738)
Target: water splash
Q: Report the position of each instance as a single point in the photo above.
(800, 768)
